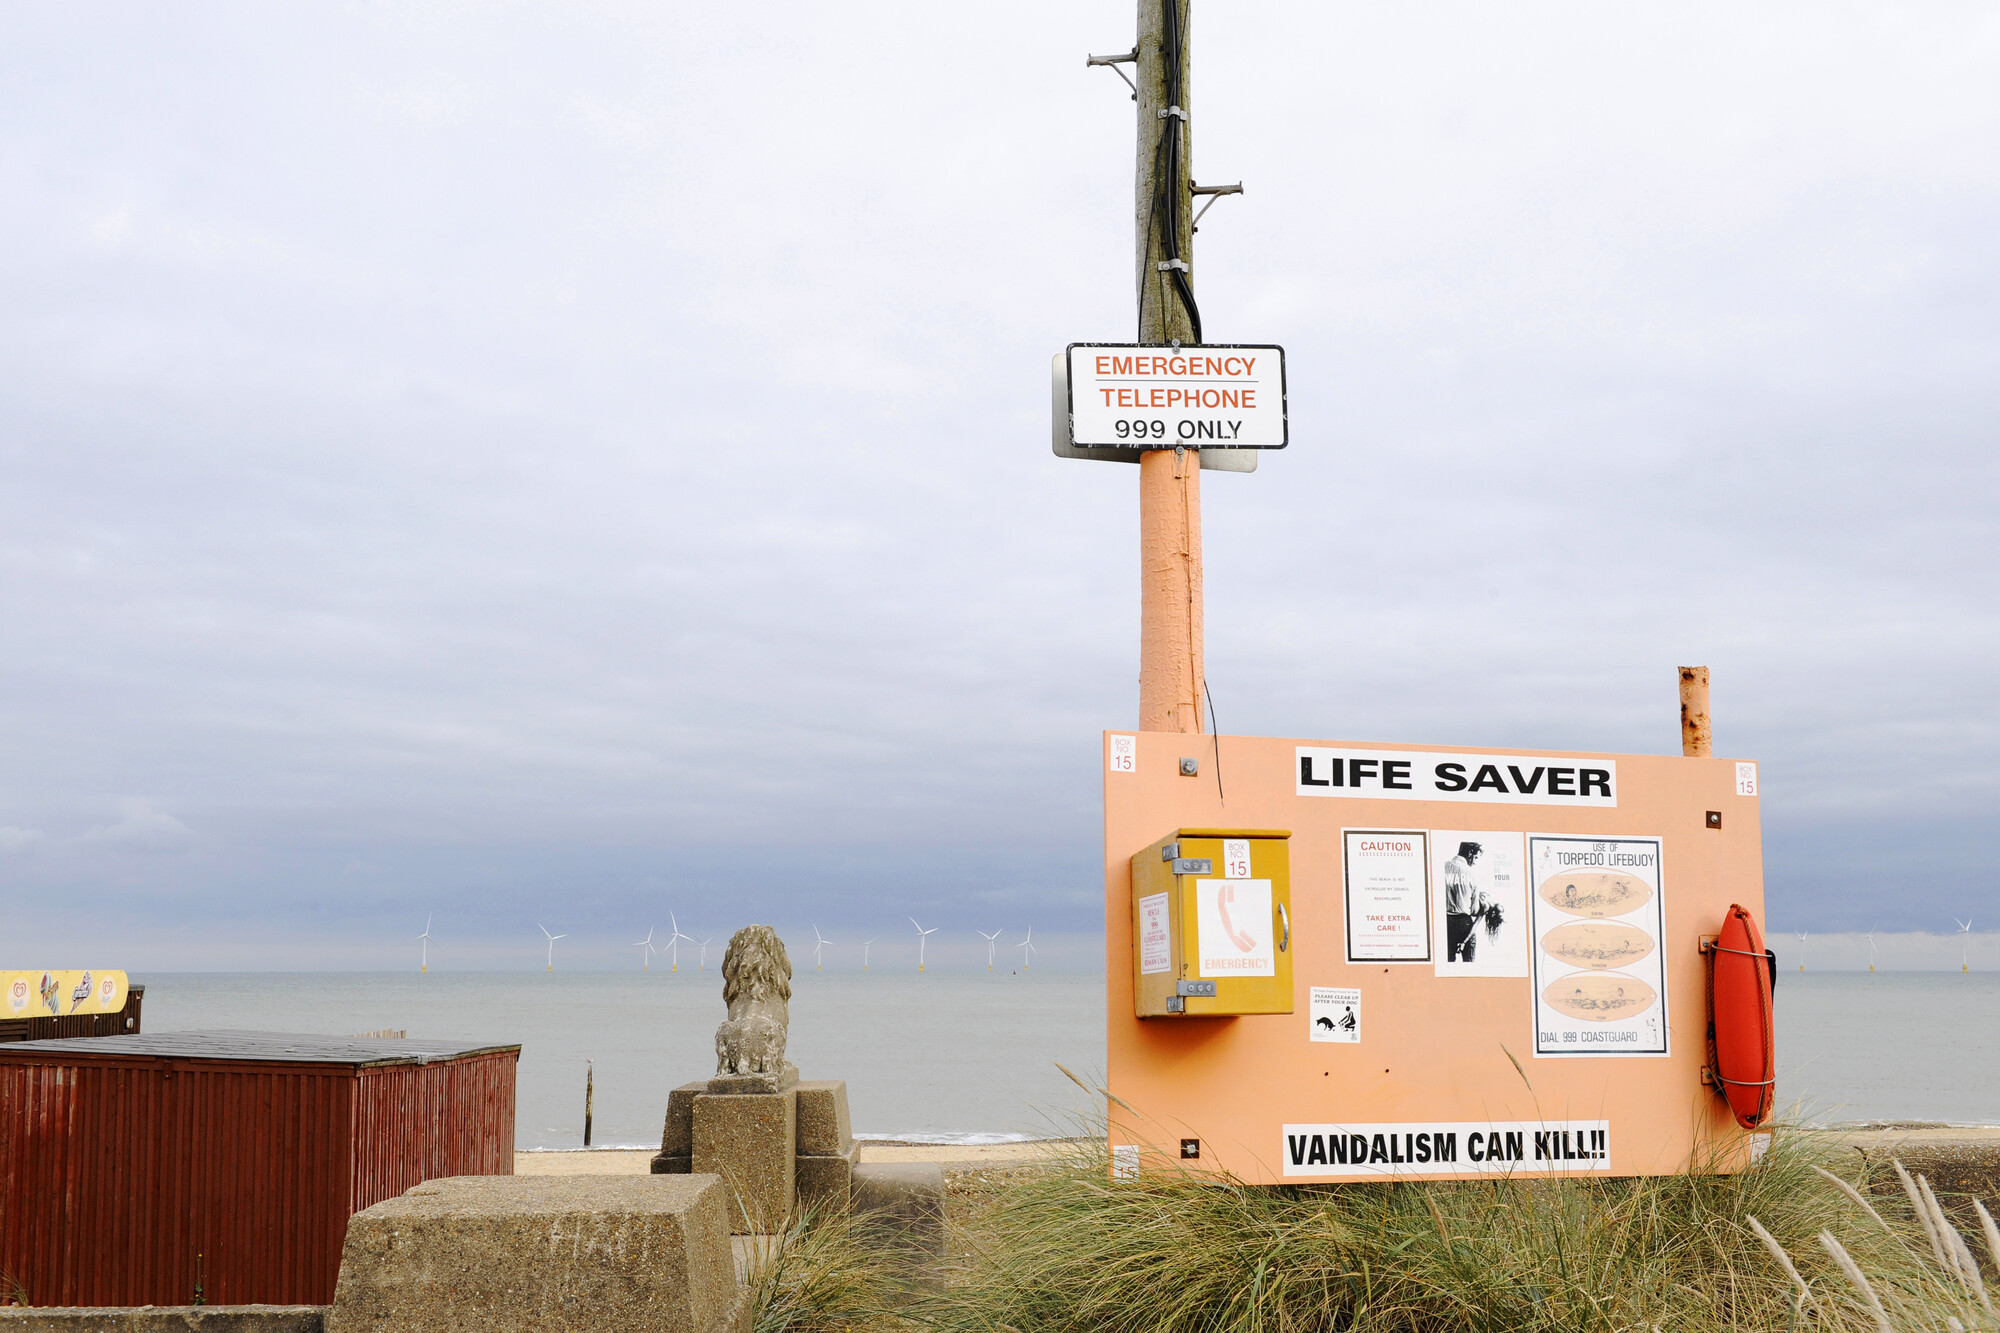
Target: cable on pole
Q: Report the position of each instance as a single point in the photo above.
(1165, 211)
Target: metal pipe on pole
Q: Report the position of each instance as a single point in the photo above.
(1172, 677)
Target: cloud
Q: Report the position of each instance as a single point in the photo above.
(600, 460)
(14, 839)
(141, 826)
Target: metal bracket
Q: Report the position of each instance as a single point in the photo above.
(1166, 264)
(1113, 62)
(1214, 192)
(1194, 865)
(1199, 989)
(1164, 112)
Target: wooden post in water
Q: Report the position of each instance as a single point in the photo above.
(1697, 741)
(589, 1092)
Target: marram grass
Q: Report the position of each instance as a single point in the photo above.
(1790, 1246)
(812, 1277)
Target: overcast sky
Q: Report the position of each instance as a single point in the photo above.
(573, 463)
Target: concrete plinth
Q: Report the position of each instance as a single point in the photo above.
(514, 1254)
(669, 1165)
(747, 1139)
(677, 1139)
(899, 1212)
(826, 1180)
(824, 1129)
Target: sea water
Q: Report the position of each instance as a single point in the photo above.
(954, 1056)
(1860, 1046)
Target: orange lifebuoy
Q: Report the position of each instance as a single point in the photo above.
(1743, 1060)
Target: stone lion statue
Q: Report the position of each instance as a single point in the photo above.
(756, 984)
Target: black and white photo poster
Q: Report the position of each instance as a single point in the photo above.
(1600, 980)
(1387, 879)
(1479, 904)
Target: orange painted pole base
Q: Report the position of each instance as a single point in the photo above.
(1171, 667)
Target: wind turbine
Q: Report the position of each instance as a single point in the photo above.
(646, 958)
(864, 954)
(552, 943)
(1027, 946)
(989, 946)
(674, 940)
(1802, 949)
(1965, 940)
(704, 952)
(923, 938)
(1871, 949)
(426, 938)
(819, 943)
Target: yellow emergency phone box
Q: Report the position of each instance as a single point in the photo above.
(1212, 923)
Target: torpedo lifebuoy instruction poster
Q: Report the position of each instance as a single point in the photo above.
(1598, 918)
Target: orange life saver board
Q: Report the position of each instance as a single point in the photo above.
(1742, 1046)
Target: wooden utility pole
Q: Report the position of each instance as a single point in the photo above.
(1171, 671)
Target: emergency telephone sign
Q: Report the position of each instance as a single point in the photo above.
(1209, 397)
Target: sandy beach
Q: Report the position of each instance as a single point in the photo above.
(955, 1156)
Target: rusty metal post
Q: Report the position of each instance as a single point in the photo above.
(1696, 740)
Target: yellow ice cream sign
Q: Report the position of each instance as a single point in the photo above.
(61, 993)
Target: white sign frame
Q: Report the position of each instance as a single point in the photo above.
(1215, 396)
(1439, 775)
(1411, 943)
(1647, 1034)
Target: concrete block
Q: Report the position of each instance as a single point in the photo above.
(747, 1138)
(899, 1213)
(824, 1129)
(826, 1180)
(677, 1139)
(665, 1164)
(162, 1319)
(528, 1254)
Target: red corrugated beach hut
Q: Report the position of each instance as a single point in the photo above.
(155, 1169)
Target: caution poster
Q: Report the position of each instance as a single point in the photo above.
(1387, 880)
(1599, 976)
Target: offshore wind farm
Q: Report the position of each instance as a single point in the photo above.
(1844, 1022)
(966, 947)
(1854, 1046)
